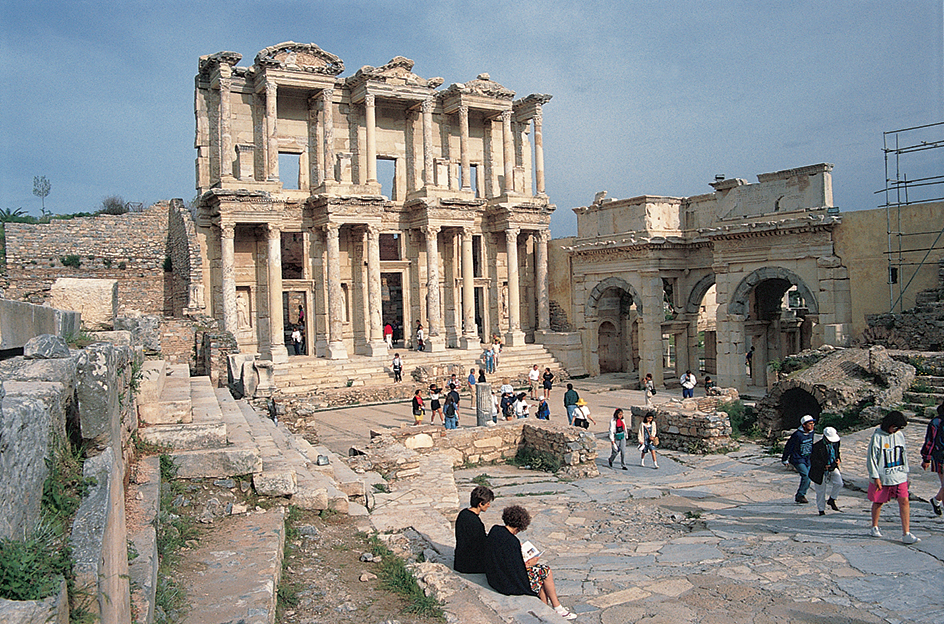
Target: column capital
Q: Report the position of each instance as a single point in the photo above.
(543, 235)
(538, 115)
(505, 116)
(273, 232)
(373, 232)
(332, 230)
(466, 234)
(463, 110)
(370, 99)
(511, 234)
(271, 88)
(327, 94)
(427, 105)
(430, 230)
(228, 230)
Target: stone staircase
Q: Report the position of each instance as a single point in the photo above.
(927, 392)
(303, 375)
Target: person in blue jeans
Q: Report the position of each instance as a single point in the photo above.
(451, 413)
(797, 452)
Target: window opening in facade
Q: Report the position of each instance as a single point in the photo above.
(288, 170)
(293, 255)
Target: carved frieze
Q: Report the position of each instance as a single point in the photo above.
(482, 85)
(396, 72)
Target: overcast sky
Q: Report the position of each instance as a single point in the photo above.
(649, 97)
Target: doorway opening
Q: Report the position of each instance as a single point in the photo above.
(391, 289)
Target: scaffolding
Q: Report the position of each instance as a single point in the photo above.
(914, 174)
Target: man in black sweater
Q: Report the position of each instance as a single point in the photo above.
(470, 533)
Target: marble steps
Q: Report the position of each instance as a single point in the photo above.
(165, 398)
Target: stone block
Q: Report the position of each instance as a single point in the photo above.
(121, 338)
(217, 463)
(421, 440)
(21, 321)
(153, 373)
(145, 330)
(95, 299)
(24, 434)
(189, 436)
(52, 610)
(46, 347)
(98, 390)
(277, 482)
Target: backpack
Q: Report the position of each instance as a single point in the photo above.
(450, 409)
(508, 407)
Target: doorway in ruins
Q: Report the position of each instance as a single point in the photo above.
(391, 291)
(611, 348)
(779, 324)
(295, 315)
(794, 404)
(616, 346)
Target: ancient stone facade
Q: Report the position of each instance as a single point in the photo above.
(750, 265)
(294, 214)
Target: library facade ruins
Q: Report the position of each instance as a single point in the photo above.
(299, 229)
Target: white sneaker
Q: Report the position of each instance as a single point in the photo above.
(656, 466)
(565, 613)
(642, 462)
(908, 538)
(874, 532)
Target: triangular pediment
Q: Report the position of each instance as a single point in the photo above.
(396, 72)
(306, 57)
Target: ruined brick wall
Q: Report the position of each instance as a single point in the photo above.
(183, 249)
(129, 248)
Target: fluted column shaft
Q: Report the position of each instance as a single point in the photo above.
(464, 149)
(539, 150)
(272, 131)
(427, 109)
(374, 293)
(432, 281)
(514, 312)
(328, 161)
(314, 163)
(370, 114)
(468, 286)
(508, 143)
(226, 131)
(540, 261)
(336, 349)
(274, 266)
(228, 275)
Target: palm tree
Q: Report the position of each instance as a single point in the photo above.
(7, 214)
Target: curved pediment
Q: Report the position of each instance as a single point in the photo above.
(482, 85)
(306, 57)
(398, 71)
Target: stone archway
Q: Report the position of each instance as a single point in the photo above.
(740, 298)
(610, 350)
(611, 282)
(609, 310)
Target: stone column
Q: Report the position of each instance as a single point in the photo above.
(226, 115)
(272, 132)
(514, 337)
(314, 164)
(319, 314)
(370, 120)
(508, 143)
(470, 336)
(540, 262)
(539, 150)
(650, 327)
(228, 275)
(427, 109)
(328, 160)
(336, 348)
(434, 309)
(464, 149)
(277, 350)
(376, 344)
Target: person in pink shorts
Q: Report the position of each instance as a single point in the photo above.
(887, 463)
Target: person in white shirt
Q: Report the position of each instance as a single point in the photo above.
(521, 407)
(534, 376)
(688, 382)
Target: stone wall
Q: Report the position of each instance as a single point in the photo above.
(129, 248)
(183, 249)
(692, 425)
(21, 321)
(393, 454)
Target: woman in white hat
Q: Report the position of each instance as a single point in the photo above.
(824, 470)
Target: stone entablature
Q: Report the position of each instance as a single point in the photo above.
(467, 205)
(394, 453)
(654, 278)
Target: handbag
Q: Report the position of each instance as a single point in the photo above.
(654, 440)
(653, 391)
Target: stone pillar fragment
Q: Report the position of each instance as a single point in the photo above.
(226, 123)
(376, 344)
(540, 261)
(650, 327)
(427, 108)
(336, 348)
(272, 136)
(326, 97)
(434, 308)
(464, 147)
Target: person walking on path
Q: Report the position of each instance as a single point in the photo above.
(582, 417)
(648, 438)
(397, 367)
(548, 378)
(435, 404)
(470, 533)
(887, 462)
(471, 383)
(797, 453)
(648, 388)
(507, 571)
(534, 380)
(618, 438)
(388, 335)
(932, 454)
(451, 413)
(570, 402)
(688, 382)
(824, 470)
(418, 408)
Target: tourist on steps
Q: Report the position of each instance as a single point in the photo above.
(548, 378)
(534, 380)
(397, 367)
(507, 571)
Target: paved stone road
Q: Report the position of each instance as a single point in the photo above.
(703, 539)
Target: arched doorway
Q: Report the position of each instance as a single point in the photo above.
(610, 350)
(793, 405)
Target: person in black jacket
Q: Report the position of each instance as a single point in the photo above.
(507, 571)
(824, 470)
(470, 533)
(797, 452)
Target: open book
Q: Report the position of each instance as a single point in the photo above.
(530, 551)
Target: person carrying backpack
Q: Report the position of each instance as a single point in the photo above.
(451, 413)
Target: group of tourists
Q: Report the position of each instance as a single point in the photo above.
(819, 463)
(646, 435)
(445, 405)
(510, 568)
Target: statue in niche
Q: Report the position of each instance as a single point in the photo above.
(504, 301)
(242, 310)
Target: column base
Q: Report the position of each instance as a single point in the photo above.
(337, 351)
(277, 354)
(470, 343)
(514, 338)
(321, 348)
(376, 348)
(435, 344)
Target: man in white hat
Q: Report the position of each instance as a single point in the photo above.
(824, 470)
(797, 452)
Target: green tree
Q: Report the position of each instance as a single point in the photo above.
(41, 188)
(114, 205)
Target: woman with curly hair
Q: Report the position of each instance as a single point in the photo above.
(507, 571)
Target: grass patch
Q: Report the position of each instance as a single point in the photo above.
(693, 515)
(394, 576)
(173, 532)
(527, 457)
(848, 420)
(743, 419)
(381, 487)
(146, 448)
(287, 595)
(327, 514)
(482, 480)
(33, 568)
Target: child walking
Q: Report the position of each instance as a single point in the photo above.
(887, 462)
